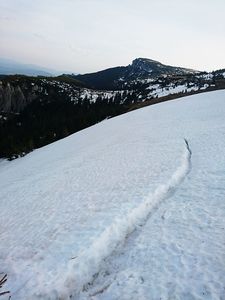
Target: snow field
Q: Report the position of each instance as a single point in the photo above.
(93, 204)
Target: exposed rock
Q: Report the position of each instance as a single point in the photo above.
(15, 99)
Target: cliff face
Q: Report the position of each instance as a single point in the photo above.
(15, 98)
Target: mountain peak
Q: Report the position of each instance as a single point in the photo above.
(140, 69)
(145, 65)
(144, 60)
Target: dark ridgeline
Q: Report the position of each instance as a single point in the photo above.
(141, 68)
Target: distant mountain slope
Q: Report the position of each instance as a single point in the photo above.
(141, 68)
(106, 79)
(10, 67)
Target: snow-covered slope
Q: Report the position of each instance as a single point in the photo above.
(121, 210)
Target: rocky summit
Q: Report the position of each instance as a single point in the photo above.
(139, 69)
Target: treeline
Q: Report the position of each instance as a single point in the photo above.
(44, 122)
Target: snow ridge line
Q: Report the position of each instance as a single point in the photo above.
(83, 269)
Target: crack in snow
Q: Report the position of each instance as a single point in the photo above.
(87, 265)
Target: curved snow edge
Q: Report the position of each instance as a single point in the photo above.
(82, 270)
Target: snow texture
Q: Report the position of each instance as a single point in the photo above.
(112, 212)
(88, 264)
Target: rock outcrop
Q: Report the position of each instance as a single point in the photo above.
(13, 99)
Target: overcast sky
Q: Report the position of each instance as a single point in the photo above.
(89, 35)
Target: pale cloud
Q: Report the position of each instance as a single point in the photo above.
(88, 35)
